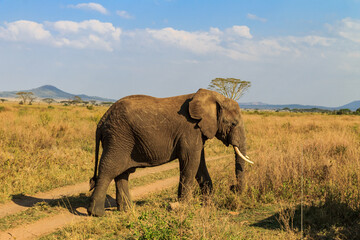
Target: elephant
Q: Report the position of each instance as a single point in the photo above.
(142, 131)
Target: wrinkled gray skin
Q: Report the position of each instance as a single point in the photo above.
(142, 131)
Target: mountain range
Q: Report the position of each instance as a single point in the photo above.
(48, 91)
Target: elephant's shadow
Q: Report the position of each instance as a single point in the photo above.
(328, 221)
(74, 204)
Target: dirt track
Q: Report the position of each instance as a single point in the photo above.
(50, 224)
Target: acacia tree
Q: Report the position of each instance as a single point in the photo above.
(77, 100)
(230, 87)
(31, 99)
(48, 100)
(26, 96)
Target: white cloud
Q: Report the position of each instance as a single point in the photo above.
(198, 42)
(124, 14)
(87, 34)
(312, 40)
(240, 31)
(235, 42)
(23, 30)
(91, 34)
(254, 17)
(350, 29)
(95, 26)
(90, 6)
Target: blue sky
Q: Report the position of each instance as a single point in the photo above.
(305, 52)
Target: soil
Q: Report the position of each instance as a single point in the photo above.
(50, 224)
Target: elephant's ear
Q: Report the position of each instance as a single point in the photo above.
(203, 107)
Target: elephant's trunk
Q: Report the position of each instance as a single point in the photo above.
(240, 160)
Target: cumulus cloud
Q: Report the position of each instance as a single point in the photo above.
(201, 41)
(86, 34)
(198, 42)
(238, 43)
(90, 6)
(23, 30)
(240, 31)
(106, 29)
(124, 14)
(235, 42)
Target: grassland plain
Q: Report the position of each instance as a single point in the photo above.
(43, 148)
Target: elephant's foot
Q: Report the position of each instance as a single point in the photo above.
(237, 188)
(206, 188)
(95, 210)
(123, 206)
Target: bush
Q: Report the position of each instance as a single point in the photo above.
(343, 112)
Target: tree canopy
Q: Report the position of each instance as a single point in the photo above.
(230, 87)
(26, 96)
(48, 100)
(77, 99)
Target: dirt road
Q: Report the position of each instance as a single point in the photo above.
(50, 224)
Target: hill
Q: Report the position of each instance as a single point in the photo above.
(48, 91)
(352, 106)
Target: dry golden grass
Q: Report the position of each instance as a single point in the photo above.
(323, 149)
(43, 148)
(46, 147)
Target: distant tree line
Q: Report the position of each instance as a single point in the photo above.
(330, 112)
(29, 97)
(78, 100)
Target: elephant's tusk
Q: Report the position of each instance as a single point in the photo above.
(242, 156)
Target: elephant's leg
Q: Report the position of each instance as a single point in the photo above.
(110, 166)
(123, 199)
(189, 166)
(97, 203)
(203, 177)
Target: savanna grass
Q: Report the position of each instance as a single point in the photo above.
(219, 216)
(323, 150)
(313, 157)
(44, 148)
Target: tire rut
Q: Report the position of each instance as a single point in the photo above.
(50, 224)
(24, 202)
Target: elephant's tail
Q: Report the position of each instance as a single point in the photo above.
(94, 178)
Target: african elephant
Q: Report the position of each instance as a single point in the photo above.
(142, 131)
